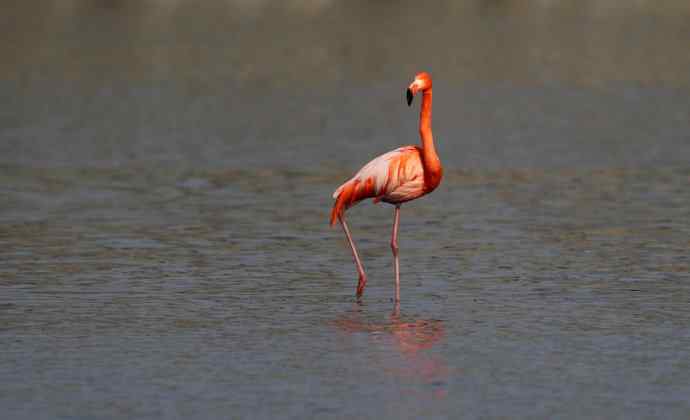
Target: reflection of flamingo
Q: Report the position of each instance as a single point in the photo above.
(415, 336)
(394, 177)
(410, 338)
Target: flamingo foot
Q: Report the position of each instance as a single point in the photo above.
(361, 284)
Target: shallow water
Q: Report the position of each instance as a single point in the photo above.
(164, 241)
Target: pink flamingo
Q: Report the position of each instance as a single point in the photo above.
(395, 177)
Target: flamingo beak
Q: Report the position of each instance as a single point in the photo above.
(410, 96)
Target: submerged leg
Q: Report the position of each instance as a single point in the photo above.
(362, 277)
(394, 247)
(395, 315)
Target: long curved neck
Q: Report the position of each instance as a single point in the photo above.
(432, 164)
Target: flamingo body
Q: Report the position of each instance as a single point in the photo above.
(396, 177)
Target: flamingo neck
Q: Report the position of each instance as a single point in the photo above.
(432, 164)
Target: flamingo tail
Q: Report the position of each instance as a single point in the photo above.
(344, 197)
(351, 193)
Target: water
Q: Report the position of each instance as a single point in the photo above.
(165, 187)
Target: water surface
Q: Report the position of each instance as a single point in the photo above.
(166, 171)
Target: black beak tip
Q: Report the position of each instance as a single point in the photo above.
(410, 96)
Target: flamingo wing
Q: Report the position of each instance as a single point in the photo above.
(394, 177)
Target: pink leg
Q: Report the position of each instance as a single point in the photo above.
(394, 247)
(395, 316)
(362, 277)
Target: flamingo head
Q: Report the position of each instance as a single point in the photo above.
(422, 82)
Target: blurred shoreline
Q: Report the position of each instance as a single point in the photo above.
(324, 42)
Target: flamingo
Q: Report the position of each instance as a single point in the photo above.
(396, 177)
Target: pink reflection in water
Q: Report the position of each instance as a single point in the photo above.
(411, 339)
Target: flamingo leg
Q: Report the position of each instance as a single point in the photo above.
(360, 269)
(395, 315)
(394, 247)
